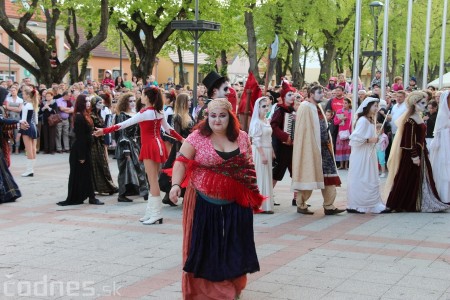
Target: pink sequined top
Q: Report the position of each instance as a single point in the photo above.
(205, 154)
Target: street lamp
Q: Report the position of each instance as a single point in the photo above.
(375, 11)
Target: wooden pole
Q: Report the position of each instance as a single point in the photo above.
(247, 109)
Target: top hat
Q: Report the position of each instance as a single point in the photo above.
(210, 79)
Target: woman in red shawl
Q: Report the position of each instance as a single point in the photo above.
(218, 242)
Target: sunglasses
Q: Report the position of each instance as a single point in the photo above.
(264, 106)
(225, 88)
(131, 101)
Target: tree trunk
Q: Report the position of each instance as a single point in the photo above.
(296, 73)
(394, 63)
(251, 39)
(180, 66)
(329, 55)
(39, 49)
(223, 63)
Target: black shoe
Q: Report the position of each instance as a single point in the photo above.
(96, 202)
(146, 197)
(304, 211)
(276, 203)
(330, 212)
(354, 211)
(65, 203)
(167, 201)
(294, 202)
(386, 211)
(114, 192)
(124, 199)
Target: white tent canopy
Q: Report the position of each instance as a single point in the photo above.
(445, 82)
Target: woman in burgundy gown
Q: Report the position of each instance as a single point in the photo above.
(410, 183)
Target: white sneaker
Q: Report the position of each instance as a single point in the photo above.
(382, 175)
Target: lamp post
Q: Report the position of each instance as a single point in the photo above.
(196, 28)
(120, 52)
(375, 11)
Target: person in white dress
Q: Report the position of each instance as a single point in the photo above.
(261, 133)
(363, 188)
(439, 149)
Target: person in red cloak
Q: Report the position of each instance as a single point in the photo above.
(281, 141)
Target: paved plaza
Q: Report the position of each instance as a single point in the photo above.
(103, 252)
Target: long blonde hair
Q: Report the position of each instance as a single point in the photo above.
(182, 110)
(34, 97)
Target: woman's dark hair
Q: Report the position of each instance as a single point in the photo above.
(118, 84)
(80, 107)
(433, 103)
(366, 109)
(154, 97)
(106, 99)
(216, 85)
(348, 101)
(232, 129)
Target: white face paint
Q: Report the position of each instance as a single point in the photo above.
(289, 98)
(263, 108)
(420, 106)
(318, 95)
(132, 103)
(223, 90)
(99, 105)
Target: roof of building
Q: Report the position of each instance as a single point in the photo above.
(188, 57)
(13, 10)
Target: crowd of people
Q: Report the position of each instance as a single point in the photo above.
(224, 174)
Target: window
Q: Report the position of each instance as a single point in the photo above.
(186, 77)
(87, 74)
(115, 73)
(101, 72)
(4, 75)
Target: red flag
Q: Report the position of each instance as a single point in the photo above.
(253, 85)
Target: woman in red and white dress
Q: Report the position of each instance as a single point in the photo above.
(153, 151)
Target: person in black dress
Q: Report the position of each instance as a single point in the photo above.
(9, 191)
(47, 108)
(80, 183)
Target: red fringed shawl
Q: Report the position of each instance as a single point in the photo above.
(233, 180)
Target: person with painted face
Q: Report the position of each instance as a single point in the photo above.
(261, 133)
(101, 175)
(313, 165)
(363, 187)
(282, 141)
(131, 178)
(410, 182)
(217, 87)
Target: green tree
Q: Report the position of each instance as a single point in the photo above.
(40, 49)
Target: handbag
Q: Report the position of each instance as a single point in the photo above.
(344, 134)
(54, 119)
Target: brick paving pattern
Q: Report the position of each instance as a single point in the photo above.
(103, 252)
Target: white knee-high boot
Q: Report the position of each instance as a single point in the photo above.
(29, 171)
(153, 211)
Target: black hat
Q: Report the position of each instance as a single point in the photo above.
(210, 79)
